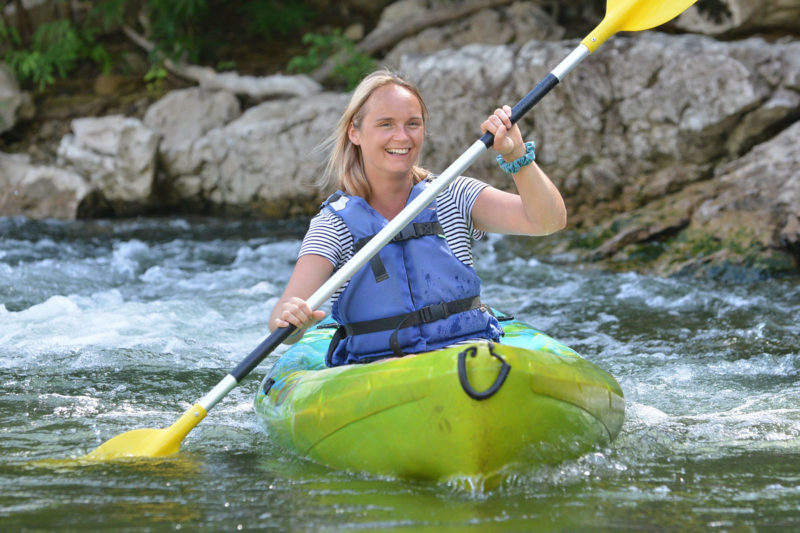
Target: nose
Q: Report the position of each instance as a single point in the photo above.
(401, 133)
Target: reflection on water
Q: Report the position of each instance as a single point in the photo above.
(111, 326)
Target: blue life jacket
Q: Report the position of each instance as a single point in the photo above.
(414, 296)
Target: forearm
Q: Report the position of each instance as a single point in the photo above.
(542, 203)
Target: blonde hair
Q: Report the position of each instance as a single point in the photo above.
(345, 168)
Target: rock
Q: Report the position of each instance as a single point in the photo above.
(265, 161)
(38, 191)
(675, 153)
(741, 222)
(740, 17)
(513, 24)
(107, 84)
(756, 199)
(185, 115)
(15, 104)
(117, 156)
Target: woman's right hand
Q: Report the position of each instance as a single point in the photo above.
(296, 312)
(309, 273)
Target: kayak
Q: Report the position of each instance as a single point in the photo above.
(474, 410)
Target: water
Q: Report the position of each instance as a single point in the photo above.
(111, 326)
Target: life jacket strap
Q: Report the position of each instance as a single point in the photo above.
(430, 313)
(412, 231)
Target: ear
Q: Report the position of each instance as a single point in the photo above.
(353, 134)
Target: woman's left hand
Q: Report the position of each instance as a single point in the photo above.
(507, 137)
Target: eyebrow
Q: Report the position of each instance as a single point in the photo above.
(391, 119)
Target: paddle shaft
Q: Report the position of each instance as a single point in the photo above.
(395, 226)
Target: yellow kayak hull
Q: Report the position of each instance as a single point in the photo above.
(414, 417)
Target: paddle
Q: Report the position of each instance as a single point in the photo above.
(621, 15)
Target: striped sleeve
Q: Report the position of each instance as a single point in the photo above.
(454, 209)
(328, 237)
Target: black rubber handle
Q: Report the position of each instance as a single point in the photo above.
(472, 351)
(526, 104)
(266, 347)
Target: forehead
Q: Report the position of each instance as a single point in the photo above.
(392, 100)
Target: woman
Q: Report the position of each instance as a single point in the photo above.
(420, 292)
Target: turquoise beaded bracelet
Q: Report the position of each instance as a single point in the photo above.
(514, 166)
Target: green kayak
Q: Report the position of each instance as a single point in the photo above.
(474, 410)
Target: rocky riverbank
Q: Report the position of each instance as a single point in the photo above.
(677, 151)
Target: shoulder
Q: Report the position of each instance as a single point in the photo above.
(327, 236)
(461, 194)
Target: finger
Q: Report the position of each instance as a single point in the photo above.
(496, 121)
(490, 125)
(292, 314)
(504, 115)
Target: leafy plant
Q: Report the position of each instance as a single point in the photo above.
(350, 65)
(55, 49)
(154, 78)
(268, 18)
(174, 23)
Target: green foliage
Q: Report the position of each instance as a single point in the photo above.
(107, 14)
(270, 18)
(173, 25)
(154, 78)
(198, 31)
(55, 49)
(350, 65)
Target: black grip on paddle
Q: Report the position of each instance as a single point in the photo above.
(266, 347)
(526, 104)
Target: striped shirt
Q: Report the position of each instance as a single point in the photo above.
(329, 237)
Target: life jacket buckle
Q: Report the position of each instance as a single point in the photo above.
(434, 312)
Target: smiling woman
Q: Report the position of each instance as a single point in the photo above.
(374, 165)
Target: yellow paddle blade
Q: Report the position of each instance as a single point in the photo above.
(634, 15)
(149, 442)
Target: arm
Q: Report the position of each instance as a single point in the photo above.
(538, 209)
(310, 272)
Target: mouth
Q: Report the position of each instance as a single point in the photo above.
(398, 151)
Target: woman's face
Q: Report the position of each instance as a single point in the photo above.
(391, 132)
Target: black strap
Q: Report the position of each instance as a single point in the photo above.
(425, 315)
(337, 337)
(432, 313)
(412, 231)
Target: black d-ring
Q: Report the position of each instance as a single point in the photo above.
(472, 351)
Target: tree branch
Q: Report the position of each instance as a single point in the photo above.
(257, 88)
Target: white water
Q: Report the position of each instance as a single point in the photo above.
(111, 326)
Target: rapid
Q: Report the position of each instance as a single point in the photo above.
(108, 326)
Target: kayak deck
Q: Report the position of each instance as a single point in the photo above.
(418, 417)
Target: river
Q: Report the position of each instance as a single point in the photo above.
(108, 326)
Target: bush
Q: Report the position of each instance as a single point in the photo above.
(55, 49)
(350, 65)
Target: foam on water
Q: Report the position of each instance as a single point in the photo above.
(111, 326)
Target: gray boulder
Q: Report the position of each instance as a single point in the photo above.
(116, 155)
(38, 191)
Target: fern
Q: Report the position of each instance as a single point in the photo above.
(55, 49)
